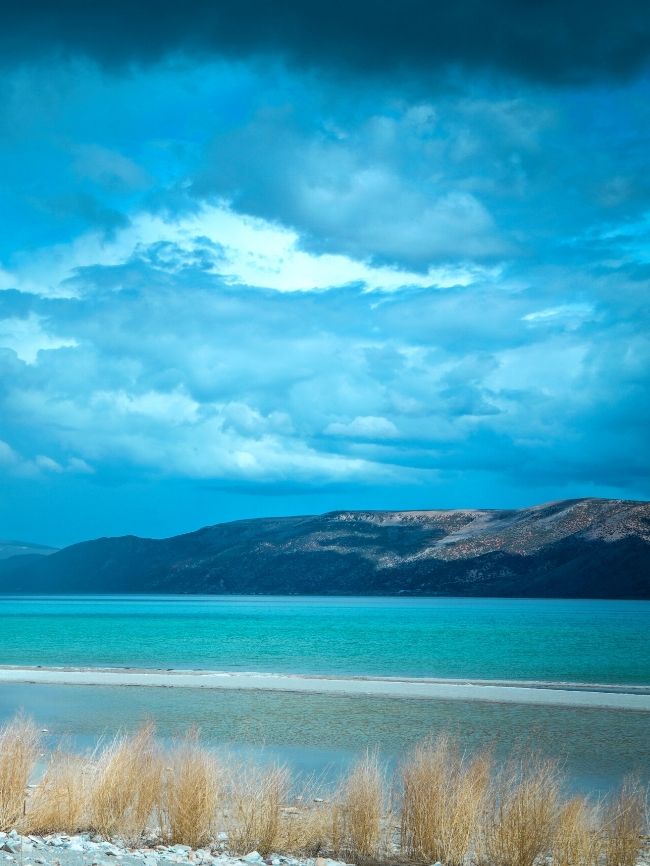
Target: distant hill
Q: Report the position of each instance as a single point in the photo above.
(575, 548)
(23, 548)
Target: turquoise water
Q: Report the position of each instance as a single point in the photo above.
(553, 640)
(550, 640)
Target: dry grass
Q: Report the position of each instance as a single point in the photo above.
(358, 810)
(18, 752)
(258, 796)
(623, 825)
(521, 820)
(126, 787)
(452, 809)
(306, 824)
(306, 829)
(444, 795)
(193, 792)
(59, 802)
(578, 840)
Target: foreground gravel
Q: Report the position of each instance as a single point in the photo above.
(59, 849)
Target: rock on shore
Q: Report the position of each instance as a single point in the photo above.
(59, 849)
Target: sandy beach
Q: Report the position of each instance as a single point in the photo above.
(570, 695)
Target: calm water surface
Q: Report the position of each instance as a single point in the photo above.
(555, 640)
(584, 641)
(323, 734)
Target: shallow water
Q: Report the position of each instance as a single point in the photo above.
(322, 734)
(547, 640)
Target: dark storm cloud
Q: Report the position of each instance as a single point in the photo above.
(547, 40)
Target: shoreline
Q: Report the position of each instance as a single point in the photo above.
(601, 696)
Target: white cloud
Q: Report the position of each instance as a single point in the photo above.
(232, 441)
(168, 408)
(27, 337)
(241, 249)
(364, 427)
(8, 456)
(47, 464)
(39, 466)
(567, 315)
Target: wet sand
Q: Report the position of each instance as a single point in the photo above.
(549, 694)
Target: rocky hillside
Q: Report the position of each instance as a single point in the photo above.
(574, 548)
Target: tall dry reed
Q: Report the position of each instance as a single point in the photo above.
(193, 792)
(258, 795)
(58, 803)
(443, 800)
(19, 743)
(623, 824)
(125, 791)
(578, 840)
(522, 813)
(358, 810)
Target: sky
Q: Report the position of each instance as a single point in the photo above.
(262, 258)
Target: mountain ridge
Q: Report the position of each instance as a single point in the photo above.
(11, 547)
(566, 548)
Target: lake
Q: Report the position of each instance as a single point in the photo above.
(549, 641)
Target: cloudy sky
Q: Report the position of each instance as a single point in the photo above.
(294, 256)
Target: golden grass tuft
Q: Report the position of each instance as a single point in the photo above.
(59, 801)
(453, 809)
(258, 796)
(623, 824)
(306, 824)
(578, 840)
(19, 743)
(443, 800)
(193, 792)
(306, 830)
(125, 790)
(358, 810)
(521, 818)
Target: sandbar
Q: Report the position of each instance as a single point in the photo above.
(549, 694)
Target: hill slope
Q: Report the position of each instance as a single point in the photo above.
(23, 548)
(574, 548)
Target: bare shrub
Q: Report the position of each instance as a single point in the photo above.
(193, 791)
(258, 796)
(126, 788)
(623, 824)
(358, 810)
(577, 840)
(443, 801)
(18, 752)
(521, 819)
(59, 801)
